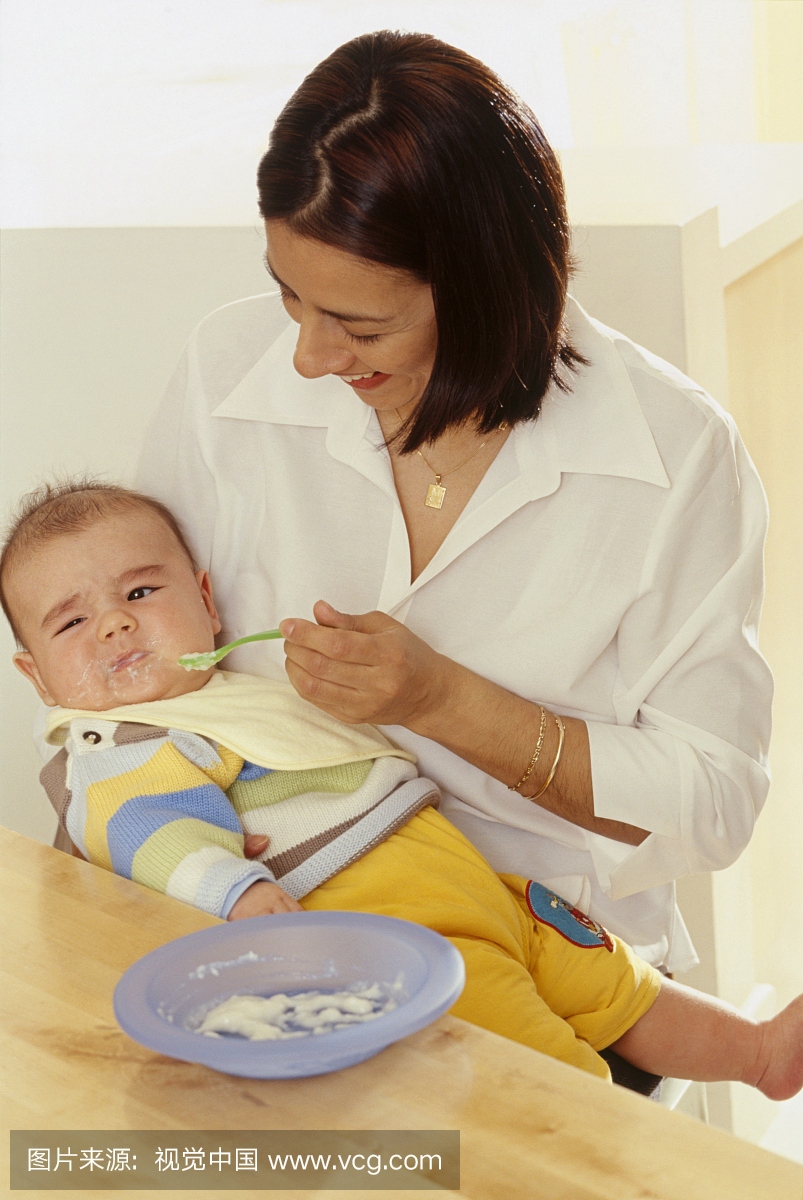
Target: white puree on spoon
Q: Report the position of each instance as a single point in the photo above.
(262, 1018)
(200, 661)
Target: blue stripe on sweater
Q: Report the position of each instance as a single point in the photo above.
(140, 816)
(251, 772)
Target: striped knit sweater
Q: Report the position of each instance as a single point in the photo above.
(168, 807)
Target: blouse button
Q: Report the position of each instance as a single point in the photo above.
(91, 736)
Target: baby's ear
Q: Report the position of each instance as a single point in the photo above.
(24, 662)
(205, 586)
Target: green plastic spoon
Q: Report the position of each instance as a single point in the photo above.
(206, 659)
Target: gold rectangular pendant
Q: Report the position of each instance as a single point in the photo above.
(435, 494)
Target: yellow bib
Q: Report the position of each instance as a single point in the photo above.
(263, 720)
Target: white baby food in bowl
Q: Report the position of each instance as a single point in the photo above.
(263, 1018)
(291, 965)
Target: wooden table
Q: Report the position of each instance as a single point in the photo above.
(531, 1128)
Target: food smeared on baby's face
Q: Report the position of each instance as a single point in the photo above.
(106, 612)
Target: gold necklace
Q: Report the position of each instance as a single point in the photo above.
(436, 494)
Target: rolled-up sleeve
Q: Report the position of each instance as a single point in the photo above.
(687, 757)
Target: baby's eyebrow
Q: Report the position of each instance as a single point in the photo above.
(55, 612)
(136, 572)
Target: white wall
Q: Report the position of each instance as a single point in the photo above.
(156, 112)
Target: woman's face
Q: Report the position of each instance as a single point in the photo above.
(372, 326)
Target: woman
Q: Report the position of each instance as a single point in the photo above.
(540, 546)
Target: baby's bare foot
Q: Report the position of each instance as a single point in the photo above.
(779, 1068)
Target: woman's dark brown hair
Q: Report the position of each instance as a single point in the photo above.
(407, 152)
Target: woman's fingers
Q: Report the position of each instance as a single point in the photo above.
(351, 704)
(346, 674)
(326, 615)
(366, 652)
(352, 639)
(364, 667)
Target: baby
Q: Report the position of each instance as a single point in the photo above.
(163, 772)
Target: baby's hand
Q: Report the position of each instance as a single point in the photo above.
(255, 844)
(261, 899)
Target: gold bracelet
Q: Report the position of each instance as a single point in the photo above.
(551, 775)
(534, 758)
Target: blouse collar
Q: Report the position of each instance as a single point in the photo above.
(597, 428)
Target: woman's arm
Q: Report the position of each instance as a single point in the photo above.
(372, 668)
(497, 731)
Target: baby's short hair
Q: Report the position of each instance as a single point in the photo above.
(70, 506)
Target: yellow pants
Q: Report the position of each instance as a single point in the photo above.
(524, 980)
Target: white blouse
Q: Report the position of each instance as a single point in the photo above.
(609, 566)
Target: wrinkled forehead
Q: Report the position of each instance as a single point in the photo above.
(115, 527)
(112, 542)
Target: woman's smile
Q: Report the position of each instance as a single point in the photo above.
(366, 383)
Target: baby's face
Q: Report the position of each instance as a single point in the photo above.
(104, 614)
